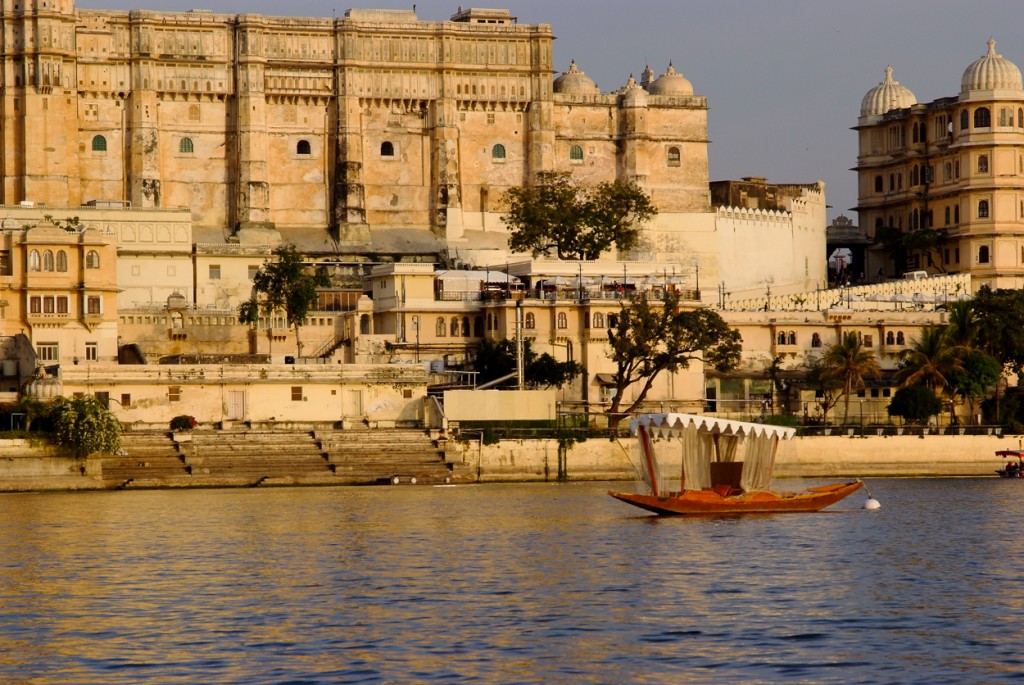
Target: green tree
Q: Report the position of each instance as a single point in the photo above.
(649, 338)
(578, 221)
(828, 390)
(978, 374)
(900, 244)
(497, 359)
(283, 284)
(1000, 318)
(915, 403)
(84, 426)
(849, 363)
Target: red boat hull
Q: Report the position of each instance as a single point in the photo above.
(711, 502)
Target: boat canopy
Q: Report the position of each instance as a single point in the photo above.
(675, 426)
(710, 450)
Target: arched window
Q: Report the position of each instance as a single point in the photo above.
(983, 209)
(964, 119)
(498, 151)
(34, 263)
(900, 340)
(914, 178)
(982, 118)
(364, 324)
(782, 338)
(890, 338)
(956, 214)
(387, 149)
(47, 260)
(1005, 116)
(673, 158)
(92, 259)
(597, 320)
(465, 326)
(478, 326)
(983, 254)
(791, 338)
(878, 184)
(62, 260)
(983, 164)
(815, 340)
(562, 320)
(454, 327)
(531, 320)
(441, 329)
(99, 144)
(576, 153)
(303, 148)
(186, 147)
(1020, 118)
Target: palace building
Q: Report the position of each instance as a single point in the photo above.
(372, 132)
(948, 174)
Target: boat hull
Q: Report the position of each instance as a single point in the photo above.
(711, 502)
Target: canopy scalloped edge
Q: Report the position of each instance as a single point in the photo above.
(673, 425)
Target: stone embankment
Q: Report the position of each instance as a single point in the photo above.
(239, 458)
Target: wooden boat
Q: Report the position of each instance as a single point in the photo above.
(1011, 470)
(712, 480)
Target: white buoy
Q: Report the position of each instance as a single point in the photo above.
(871, 503)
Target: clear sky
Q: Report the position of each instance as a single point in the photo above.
(784, 78)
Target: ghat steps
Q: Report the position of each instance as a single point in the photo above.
(237, 458)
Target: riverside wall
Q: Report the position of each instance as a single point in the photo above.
(32, 465)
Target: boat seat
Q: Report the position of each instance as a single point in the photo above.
(726, 473)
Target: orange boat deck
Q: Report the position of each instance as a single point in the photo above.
(711, 502)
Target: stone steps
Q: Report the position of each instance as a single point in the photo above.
(257, 457)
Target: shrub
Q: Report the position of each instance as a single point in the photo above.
(85, 426)
(183, 423)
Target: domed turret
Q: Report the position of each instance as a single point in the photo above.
(885, 97)
(632, 94)
(42, 386)
(671, 83)
(575, 82)
(991, 72)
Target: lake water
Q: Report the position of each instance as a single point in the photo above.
(509, 584)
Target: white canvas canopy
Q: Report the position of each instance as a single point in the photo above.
(467, 280)
(706, 441)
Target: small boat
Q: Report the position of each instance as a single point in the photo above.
(1012, 469)
(712, 479)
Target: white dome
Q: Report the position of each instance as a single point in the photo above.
(885, 97)
(991, 72)
(671, 83)
(575, 82)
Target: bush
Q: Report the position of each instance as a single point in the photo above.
(85, 426)
(183, 423)
(915, 404)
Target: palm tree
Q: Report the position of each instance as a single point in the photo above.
(930, 359)
(963, 324)
(850, 363)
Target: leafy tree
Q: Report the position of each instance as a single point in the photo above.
(649, 338)
(579, 221)
(899, 244)
(963, 328)
(1000, 319)
(828, 389)
(72, 225)
(86, 426)
(849, 363)
(915, 403)
(978, 374)
(283, 284)
(497, 359)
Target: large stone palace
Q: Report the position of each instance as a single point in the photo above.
(949, 173)
(323, 128)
